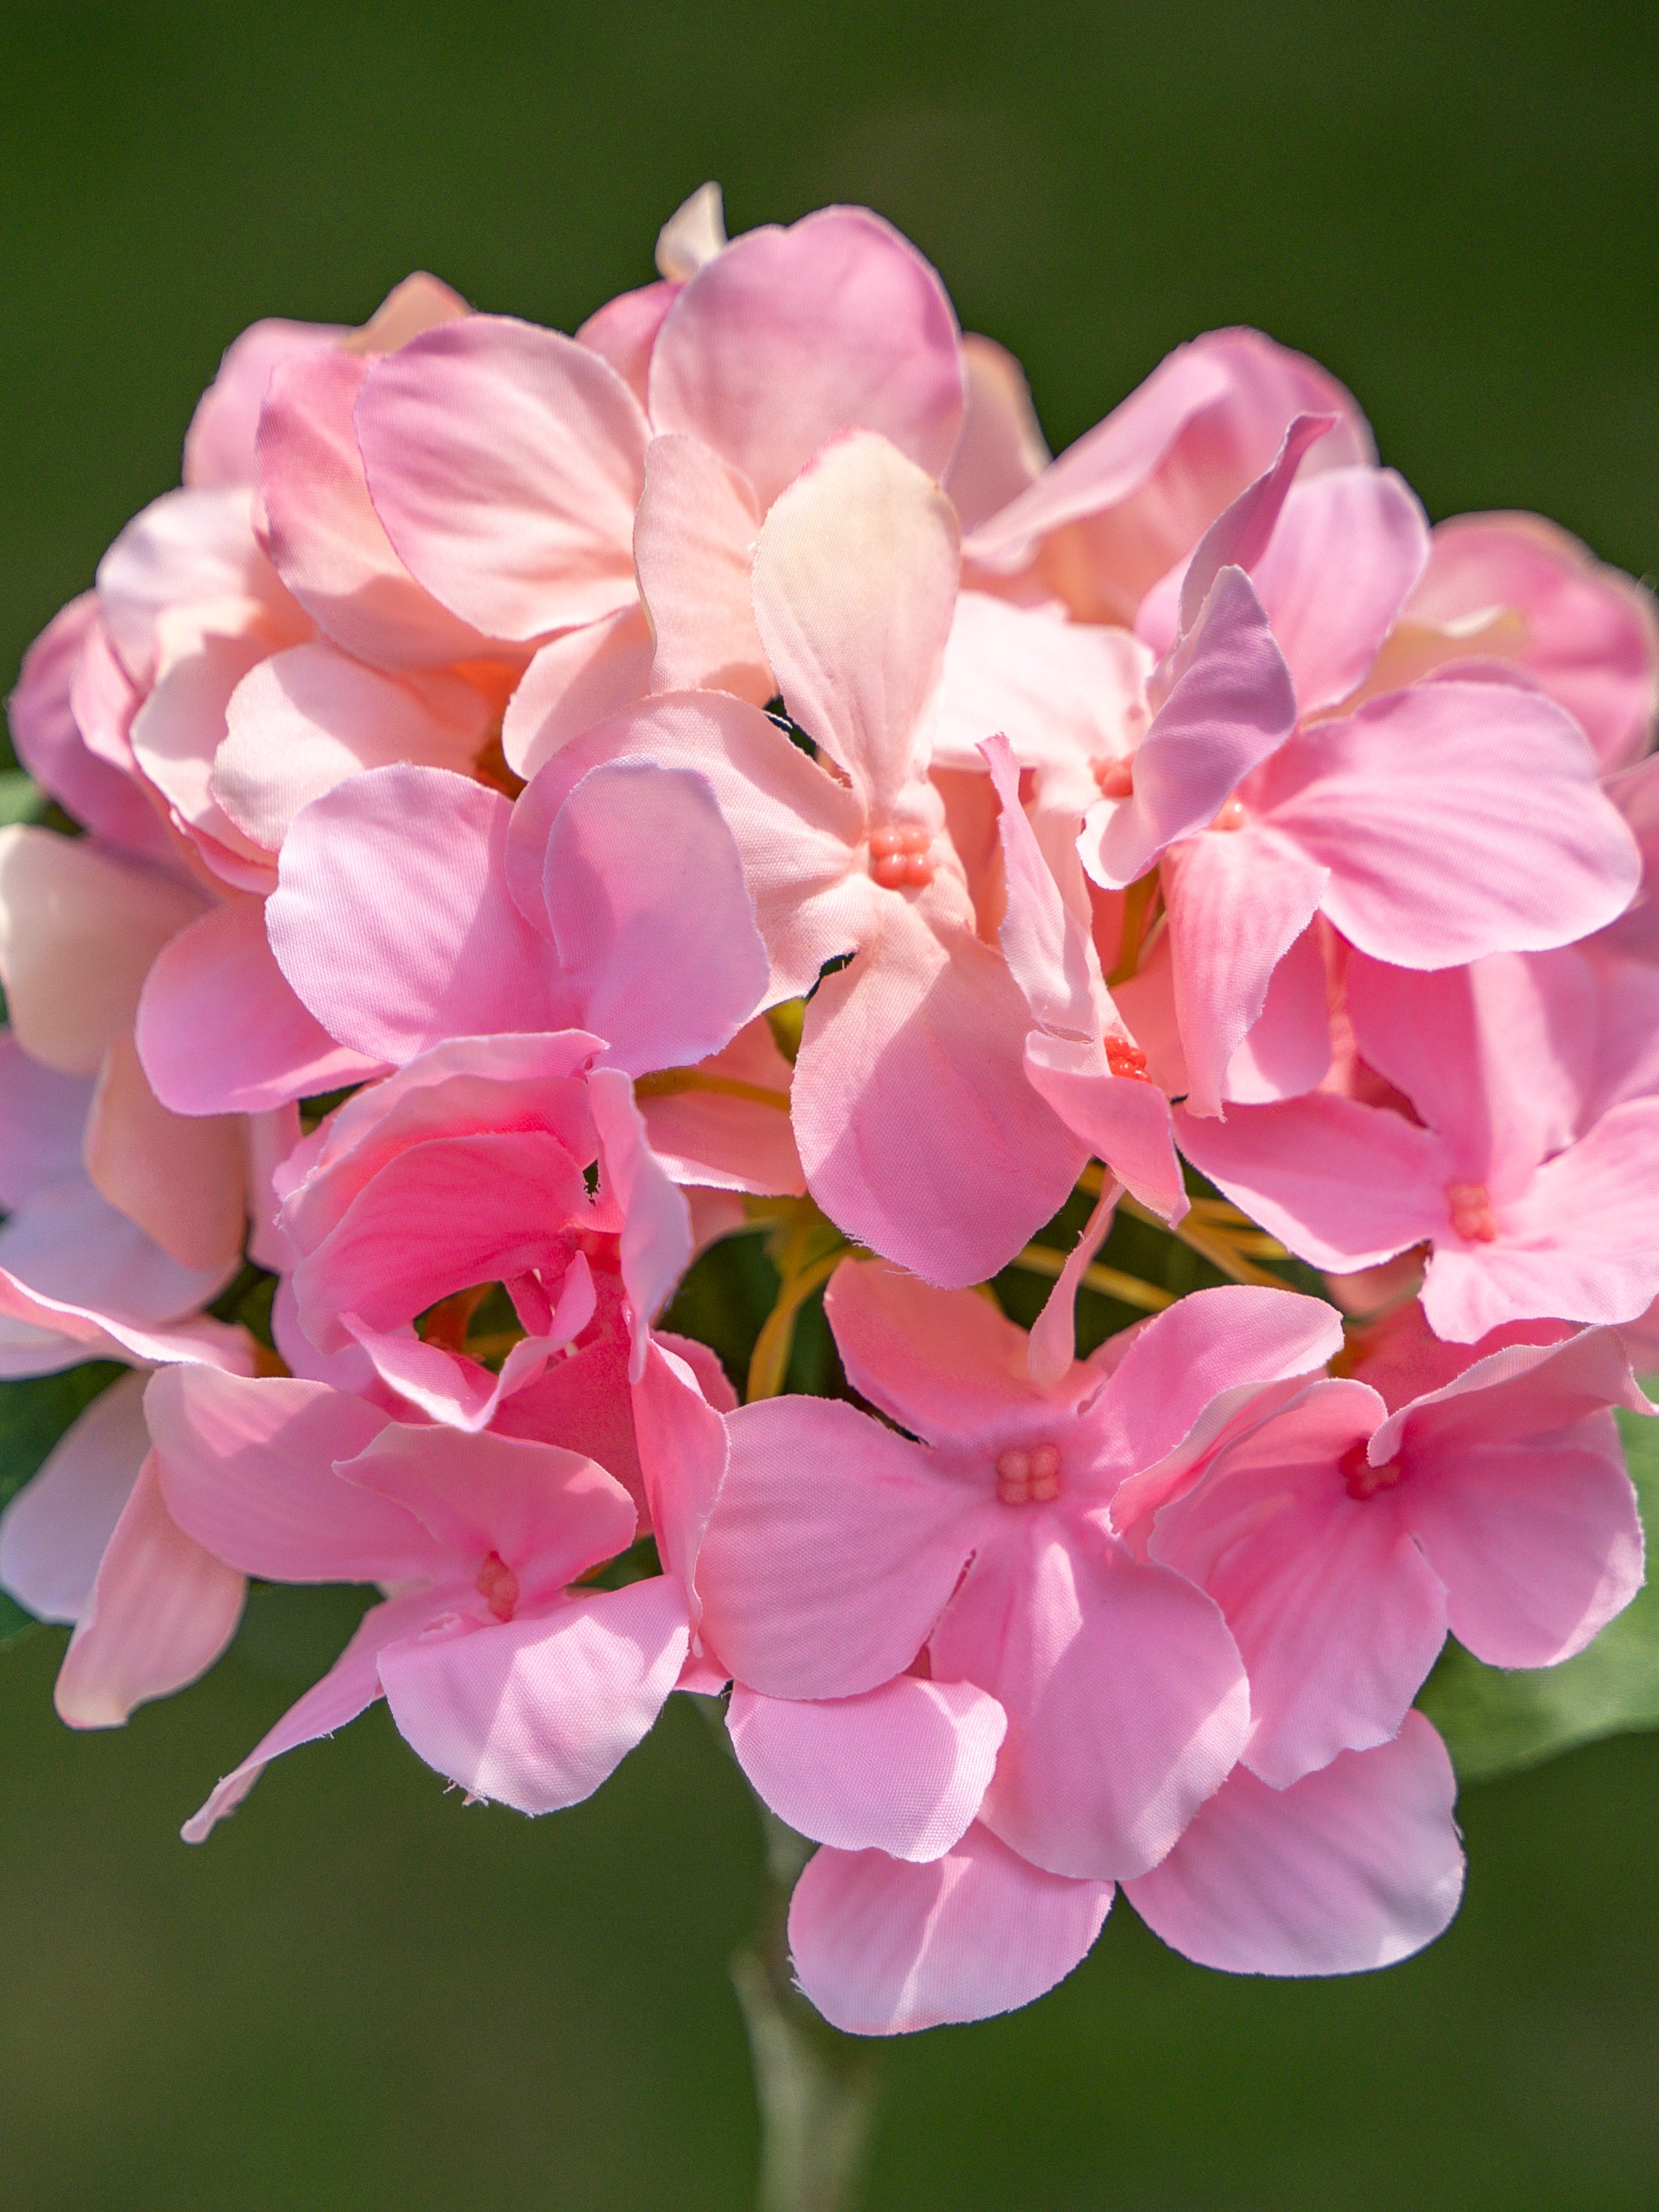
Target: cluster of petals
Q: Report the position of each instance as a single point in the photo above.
(544, 803)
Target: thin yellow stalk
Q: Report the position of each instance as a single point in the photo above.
(1110, 1282)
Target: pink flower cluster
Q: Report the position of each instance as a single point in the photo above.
(1186, 795)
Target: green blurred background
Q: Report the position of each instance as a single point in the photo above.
(361, 1994)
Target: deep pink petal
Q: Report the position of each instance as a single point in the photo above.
(1456, 819)
(885, 1947)
(918, 1130)
(900, 1769)
(656, 1233)
(538, 1711)
(54, 1531)
(160, 1611)
(790, 337)
(1355, 1867)
(505, 461)
(391, 919)
(831, 1550)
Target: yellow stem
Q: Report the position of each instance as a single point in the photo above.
(671, 1082)
(1212, 1244)
(1137, 917)
(769, 1362)
(1110, 1282)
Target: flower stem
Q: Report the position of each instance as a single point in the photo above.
(816, 2087)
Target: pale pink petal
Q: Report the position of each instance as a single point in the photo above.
(248, 1467)
(1231, 705)
(790, 337)
(391, 919)
(70, 1246)
(349, 1687)
(185, 547)
(624, 333)
(219, 443)
(692, 235)
(551, 1514)
(205, 652)
(1336, 1614)
(79, 928)
(303, 720)
(1580, 1242)
(1349, 548)
(854, 587)
(1587, 633)
(1126, 1699)
(53, 1532)
(1048, 951)
(182, 1178)
(1121, 1119)
(1345, 1186)
(1001, 451)
(1355, 1867)
(1456, 819)
(537, 1713)
(918, 1130)
(160, 1611)
(419, 303)
(41, 1116)
(832, 1549)
(682, 1448)
(650, 916)
(1240, 535)
(327, 542)
(1064, 694)
(694, 544)
(728, 1127)
(505, 462)
(218, 980)
(885, 1947)
(900, 1769)
(1286, 1050)
(1052, 1347)
(948, 1364)
(575, 681)
(50, 746)
(797, 828)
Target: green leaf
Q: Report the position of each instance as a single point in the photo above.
(21, 798)
(1496, 1723)
(33, 1415)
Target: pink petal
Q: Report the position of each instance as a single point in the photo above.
(734, 1133)
(182, 1178)
(683, 1450)
(328, 543)
(693, 235)
(1048, 951)
(160, 1611)
(79, 928)
(205, 653)
(1349, 548)
(185, 547)
(1456, 819)
(1240, 535)
(1345, 1186)
(1230, 705)
(790, 337)
(854, 587)
(656, 1235)
(303, 720)
(650, 916)
(391, 919)
(218, 979)
(1001, 451)
(539, 1711)
(504, 462)
(624, 333)
(1286, 1050)
(694, 540)
(1335, 1612)
(41, 1116)
(1064, 694)
(575, 681)
(50, 746)
(1587, 635)
(1355, 1867)
(1121, 1119)
(885, 1947)
(1052, 1348)
(900, 1769)
(832, 1549)
(350, 1686)
(219, 444)
(70, 1249)
(922, 1039)
(54, 1531)
(249, 1468)
(1126, 1700)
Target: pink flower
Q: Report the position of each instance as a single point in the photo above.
(1533, 1201)
(917, 1130)
(1341, 1540)
(838, 1550)
(497, 1673)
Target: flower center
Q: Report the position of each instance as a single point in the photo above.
(1364, 1480)
(1232, 816)
(498, 1586)
(1472, 1213)
(1123, 1058)
(1028, 1478)
(899, 858)
(1114, 779)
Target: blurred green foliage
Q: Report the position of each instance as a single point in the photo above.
(360, 1995)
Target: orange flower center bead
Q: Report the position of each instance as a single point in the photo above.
(1364, 1480)
(1028, 1478)
(899, 858)
(1114, 779)
(498, 1586)
(1472, 1212)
